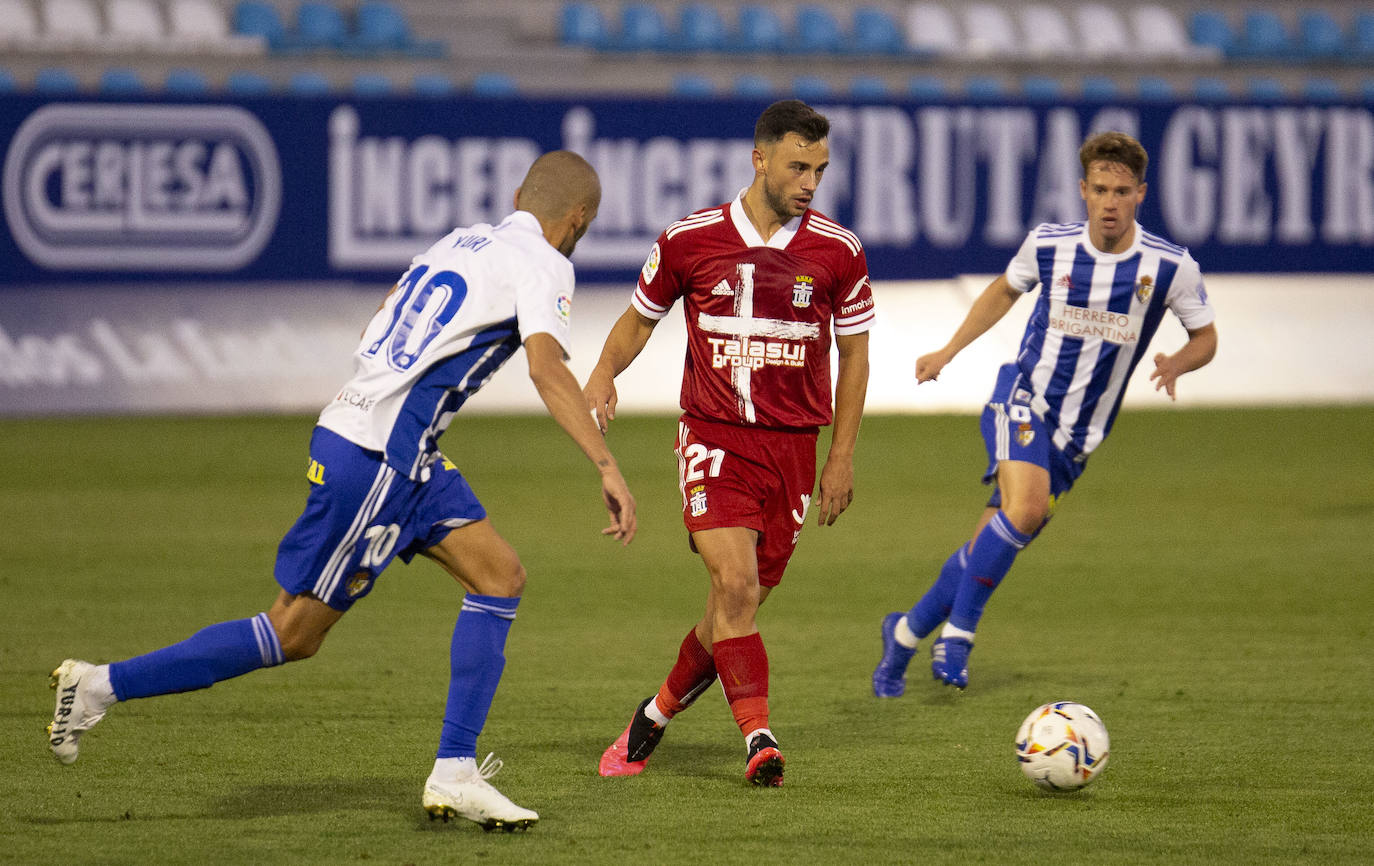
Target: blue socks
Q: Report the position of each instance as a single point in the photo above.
(477, 658)
(218, 652)
(936, 604)
(994, 550)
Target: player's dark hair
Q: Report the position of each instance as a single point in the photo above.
(1114, 147)
(790, 115)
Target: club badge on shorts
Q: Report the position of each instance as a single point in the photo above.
(1025, 435)
(696, 500)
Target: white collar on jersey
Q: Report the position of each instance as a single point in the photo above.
(751, 235)
(525, 220)
(1112, 257)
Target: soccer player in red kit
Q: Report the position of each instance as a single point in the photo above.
(764, 281)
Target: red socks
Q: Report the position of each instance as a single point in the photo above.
(742, 664)
(693, 674)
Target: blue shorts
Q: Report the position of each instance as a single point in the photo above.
(361, 513)
(1013, 431)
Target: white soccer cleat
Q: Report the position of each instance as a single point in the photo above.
(76, 710)
(475, 799)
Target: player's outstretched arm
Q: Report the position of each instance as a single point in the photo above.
(623, 344)
(851, 387)
(557, 387)
(1197, 352)
(987, 310)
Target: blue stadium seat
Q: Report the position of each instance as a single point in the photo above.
(817, 31)
(308, 83)
(186, 82)
(494, 85)
(55, 79)
(372, 84)
(260, 18)
(751, 86)
(927, 88)
(1042, 88)
(759, 30)
(582, 25)
(984, 88)
(875, 32)
(1367, 90)
(1264, 89)
(1211, 29)
(381, 28)
(642, 28)
(7, 82)
(812, 88)
(321, 27)
(1265, 36)
(1099, 88)
(700, 28)
(1362, 47)
(1152, 88)
(1209, 89)
(433, 85)
(244, 83)
(869, 88)
(1319, 35)
(692, 86)
(1322, 90)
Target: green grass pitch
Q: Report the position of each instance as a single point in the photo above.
(1206, 588)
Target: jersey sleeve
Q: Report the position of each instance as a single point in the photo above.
(543, 303)
(854, 314)
(1188, 296)
(1023, 272)
(659, 283)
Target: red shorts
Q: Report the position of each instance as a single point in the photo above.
(739, 476)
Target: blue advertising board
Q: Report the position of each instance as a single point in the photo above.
(297, 188)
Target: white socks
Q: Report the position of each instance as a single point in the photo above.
(904, 635)
(951, 631)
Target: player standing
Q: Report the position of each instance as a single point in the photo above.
(761, 279)
(380, 488)
(1106, 283)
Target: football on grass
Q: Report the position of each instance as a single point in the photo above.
(1062, 746)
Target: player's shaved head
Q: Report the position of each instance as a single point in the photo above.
(558, 182)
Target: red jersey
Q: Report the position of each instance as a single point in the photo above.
(759, 314)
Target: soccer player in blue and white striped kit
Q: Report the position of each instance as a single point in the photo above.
(1106, 283)
(380, 488)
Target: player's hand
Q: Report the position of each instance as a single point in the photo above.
(620, 505)
(837, 490)
(601, 398)
(1167, 372)
(928, 366)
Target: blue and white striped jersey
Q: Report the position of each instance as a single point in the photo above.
(1093, 322)
(461, 310)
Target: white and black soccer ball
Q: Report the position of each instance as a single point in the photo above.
(1062, 746)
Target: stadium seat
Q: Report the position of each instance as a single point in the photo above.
(55, 80)
(121, 81)
(494, 85)
(1264, 89)
(321, 26)
(642, 28)
(931, 29)
(1102, 32)
(812, 88)
(984, 88)
(1160, 34)
(817, 31)
(1042, 88)
(927, 88)
(1210, 29)
(990, 32)
(1322, 91)
(7, 82)
(308, 83)
(759, 30)
(71, 23)
(18, 24)
(372, 84)
(1209, 89)
(692, 86)
(1362, 48)
(203, 25)
(1099, 88)
(1265, 36)
(134, 22)
(1047, 31)
(381, 27)
(433, 85)
(700, 28)
(1319, 35)
(1152, 88)
(186, 82)
(752, 86)
(582, 25)
(873, 31)
(244, 83)
(1367, 91)
(259, 18)
(869, 88)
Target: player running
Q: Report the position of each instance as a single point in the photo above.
(1106, 283)
(380, 488)
(761, 279)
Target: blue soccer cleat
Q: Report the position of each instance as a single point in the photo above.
(949, 661)
(889, 678)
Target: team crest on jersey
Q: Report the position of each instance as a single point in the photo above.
(563, 306)
(1025, 435)
(358, 583)
(696, 500)
(1144, 287)
(651, 265)
(1064, 282)
(801, 291)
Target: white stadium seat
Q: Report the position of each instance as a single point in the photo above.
(71, 23)
(204, 25)
(134, 23)
(1160, 33)
(18, 24)
(1102, 32)
(931, 27)
(990, 32)
(1047, 32)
